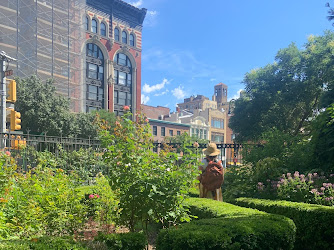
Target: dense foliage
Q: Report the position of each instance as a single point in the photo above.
(44, 111)
(45, 200)
(230, 227)
(312, 221)
(149, 186)
(284, 95)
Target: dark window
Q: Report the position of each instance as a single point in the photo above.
(103, 30)
(123, 82)
(178, 132)
(122, 59)
(116, 34)
(87, 23)
(94, 51)
(132, 40)
(124, 37)
(94, 26)
(155, 130)
(171, 132)
(95, 70)
(163, 131)
(122, 98)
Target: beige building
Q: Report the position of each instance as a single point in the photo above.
(161, 129)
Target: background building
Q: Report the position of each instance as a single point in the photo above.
(91, 49)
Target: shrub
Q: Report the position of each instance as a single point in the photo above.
(232, 227)
(123, 241)
(38, 202)
(314, 230)
(54, 243)
(149, 186)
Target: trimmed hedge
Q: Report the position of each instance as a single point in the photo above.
(229, 227)
(52, 243)
(123, 241)
(314, 222)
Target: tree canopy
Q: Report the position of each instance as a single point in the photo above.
(288, 93)
(44, 111)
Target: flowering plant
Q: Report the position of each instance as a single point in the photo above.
(149, 186)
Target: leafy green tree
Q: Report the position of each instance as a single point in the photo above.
(41, 109)
(284, 95)
(44, 111)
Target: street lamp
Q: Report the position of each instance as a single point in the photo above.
(229, 106)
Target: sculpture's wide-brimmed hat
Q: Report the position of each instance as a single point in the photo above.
(211, 150)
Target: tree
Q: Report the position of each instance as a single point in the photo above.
(41, 109)
(286, 94)
(330, 16)
(44, 111)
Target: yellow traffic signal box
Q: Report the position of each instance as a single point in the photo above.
(15, 120)
(11, 91)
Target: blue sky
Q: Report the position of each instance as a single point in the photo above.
(190, 45)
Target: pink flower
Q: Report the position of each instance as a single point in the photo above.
(296, 174)
(196, 145)
(91, 196)
(97, 196)
(126, 108)
(288, 174)
(7, 153)
(322, 189)
(146, 120)
(314, 190)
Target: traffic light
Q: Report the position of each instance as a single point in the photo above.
(11, 91)
(15, 120)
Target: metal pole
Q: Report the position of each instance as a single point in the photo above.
(3, 95)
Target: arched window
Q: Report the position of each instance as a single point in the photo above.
(103, 30)
(116, 34)
(132, 40)
(124, 37)
(94, 26)
(94, 78)
(123, 82)
(87, 23)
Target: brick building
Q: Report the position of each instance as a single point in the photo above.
(91, 49)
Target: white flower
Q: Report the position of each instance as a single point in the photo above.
(168, 169)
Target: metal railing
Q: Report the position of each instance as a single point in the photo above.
(16, 141)
(230, 154)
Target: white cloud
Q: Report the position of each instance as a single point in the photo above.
(148, 89)
(179, 93)
(144, 99)
(236, 96)
(213, 79)
(137, 4)
(162, 93)
(151, 18)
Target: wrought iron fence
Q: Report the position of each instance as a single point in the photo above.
(15, 142)
(230, 154)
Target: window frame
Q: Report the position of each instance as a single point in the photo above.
(154, 130)
(132, 42)
(125, 37)
(105, 28)
(163, 131)
(94, 27)
(116, 37)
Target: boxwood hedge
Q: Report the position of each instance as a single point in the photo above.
(123, 241)
(314, 222)
(226, 226)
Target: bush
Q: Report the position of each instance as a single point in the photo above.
(314, 222)
(232, 227)
(52, 243)
(38, 202)
(150, 187)
(123, 241)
